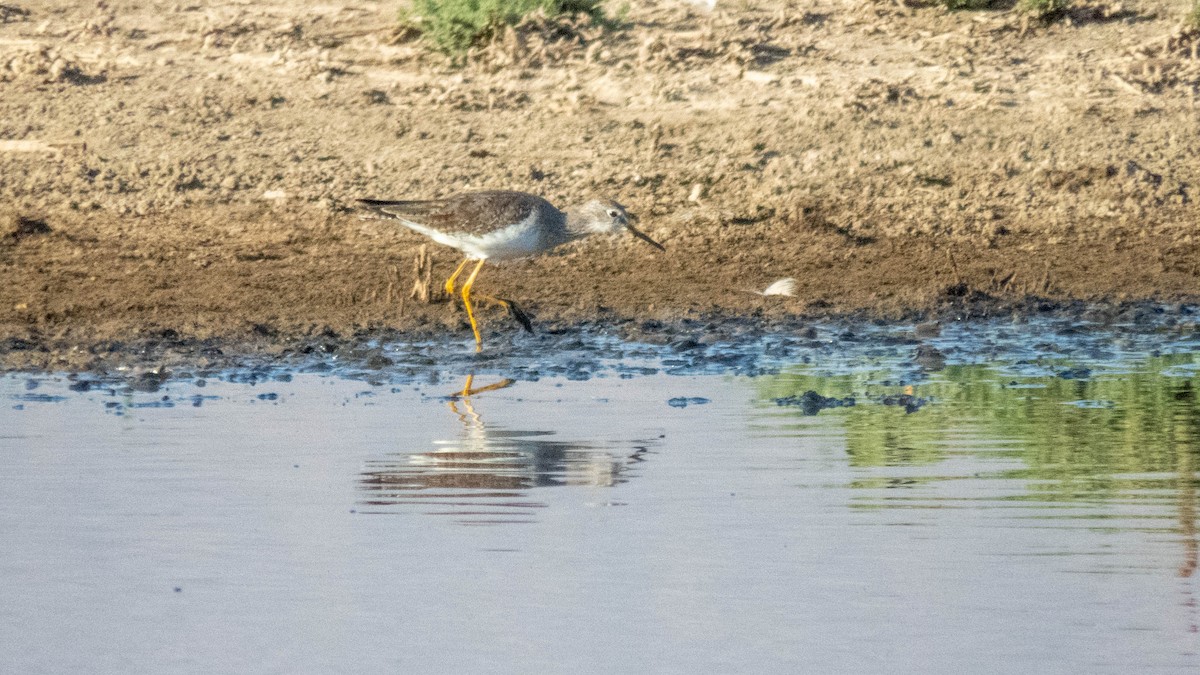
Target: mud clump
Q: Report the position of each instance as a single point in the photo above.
(14, 228)
(685, 401)
(908, 402)
(811, 403)
(47, 65)
(12, 13)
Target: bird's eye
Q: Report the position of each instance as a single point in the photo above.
(613, 213)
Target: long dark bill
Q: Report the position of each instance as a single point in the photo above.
(642, 235)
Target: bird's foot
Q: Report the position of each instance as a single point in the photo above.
(519, 314)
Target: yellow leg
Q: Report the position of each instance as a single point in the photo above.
(450, 281)
(466, 295)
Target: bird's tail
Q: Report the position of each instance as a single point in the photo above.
(397, 210)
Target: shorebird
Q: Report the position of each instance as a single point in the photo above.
(498, 226)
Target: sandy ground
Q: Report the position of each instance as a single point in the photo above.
(189, 169)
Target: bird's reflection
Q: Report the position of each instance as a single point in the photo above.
(489, 474)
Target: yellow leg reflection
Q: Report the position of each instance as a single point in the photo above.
(469, 390)
(470, 418)
(457, 271)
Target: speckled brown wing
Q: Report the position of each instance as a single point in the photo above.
(473, 213)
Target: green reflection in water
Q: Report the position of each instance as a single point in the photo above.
(1130, 437)
(1064, 430)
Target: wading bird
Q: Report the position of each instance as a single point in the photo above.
(501, 225)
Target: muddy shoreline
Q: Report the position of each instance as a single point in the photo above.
(99, 295)
(713, 342)
(180, 181)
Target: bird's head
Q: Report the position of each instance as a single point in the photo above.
(605, 216)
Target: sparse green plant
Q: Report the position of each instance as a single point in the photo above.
(963, 5)
(1043, 9)
(456, 25)
(1192, 20)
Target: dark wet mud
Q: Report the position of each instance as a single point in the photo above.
(1070, 337)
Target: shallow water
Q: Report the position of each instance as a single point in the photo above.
(1026, 503)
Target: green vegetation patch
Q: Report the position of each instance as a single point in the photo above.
(1192, 20)
(1044, 9)
(456, 25)
(962, 5)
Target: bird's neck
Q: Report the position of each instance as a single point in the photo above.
(576, 223)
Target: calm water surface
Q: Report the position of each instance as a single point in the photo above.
(1012, 514)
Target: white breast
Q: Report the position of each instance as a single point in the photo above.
(519, 240)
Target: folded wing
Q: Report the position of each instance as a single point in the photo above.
(469, 213)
